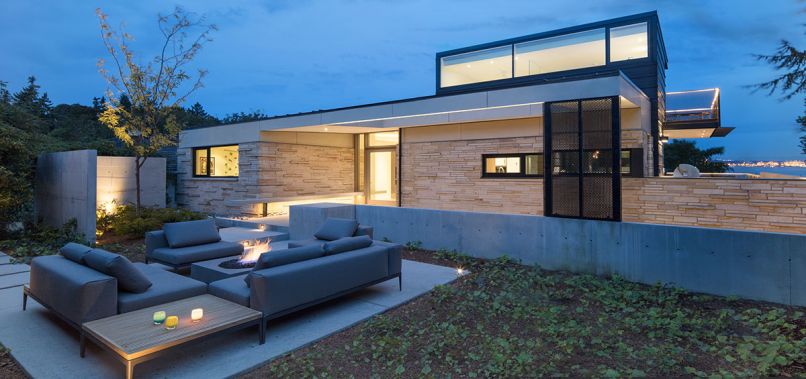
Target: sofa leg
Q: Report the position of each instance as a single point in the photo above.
(82, 344)
(24, 300)
(400, 282)
(262, 331)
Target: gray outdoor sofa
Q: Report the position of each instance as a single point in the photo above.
(333, 229)
(84, 284)
(286, 281)
(180, 244)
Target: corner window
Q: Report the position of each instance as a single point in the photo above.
(561, 53)
(216, 161)
(519, 165)
(476, 66)
(629, 42)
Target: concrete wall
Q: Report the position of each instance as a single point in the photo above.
(117, 181)
(73, 184)
(65, 189)
(755, 265)
(772, 205)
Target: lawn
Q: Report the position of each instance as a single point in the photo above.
(505, 319)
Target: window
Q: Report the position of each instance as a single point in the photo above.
(216, 161)
(476, 66)
(561, 53)
(625, 162)
(383, 139)
(512, 165)
(628, 42)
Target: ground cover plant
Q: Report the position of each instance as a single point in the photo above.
(508, 320)
(36, 240)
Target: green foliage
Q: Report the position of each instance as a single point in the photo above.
(37, 240)
(414, 245)
(683, 151)
(508, 320)
(234, 118)
(126, 221)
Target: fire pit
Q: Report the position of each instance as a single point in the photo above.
(251, 252)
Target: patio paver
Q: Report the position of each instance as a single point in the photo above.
(46, 348)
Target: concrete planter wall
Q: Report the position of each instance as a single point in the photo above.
(755, 265)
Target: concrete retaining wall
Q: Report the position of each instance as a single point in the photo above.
(65, 189)
(73, 184)
(117, 181)
(755, 265)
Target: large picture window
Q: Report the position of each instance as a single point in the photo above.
(561, 53)
(516, 165)
(216, 161)
(629, 42)
(476, 66)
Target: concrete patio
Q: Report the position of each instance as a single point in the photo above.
(47, 348)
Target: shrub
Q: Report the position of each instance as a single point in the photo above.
(38, 240)
(126, 221)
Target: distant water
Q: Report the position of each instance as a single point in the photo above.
(796, 171)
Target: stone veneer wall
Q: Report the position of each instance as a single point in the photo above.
(749, 204)
(266, 170)
(446, 175)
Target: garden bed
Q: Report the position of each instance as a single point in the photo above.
(505, 319)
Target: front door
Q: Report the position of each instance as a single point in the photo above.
(381, 176)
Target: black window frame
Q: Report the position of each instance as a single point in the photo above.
(520, 175)
(207, 148)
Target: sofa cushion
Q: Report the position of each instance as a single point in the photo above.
(284, 257)
(191, 233)
(233, 289)
(190, 254)
(167, 287)
(346, 244)
(129, 276)
(335, 228)
(301, 243)
(75, 252)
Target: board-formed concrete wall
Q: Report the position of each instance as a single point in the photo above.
(117, 181)
(65, 189)
(755, 265)
(73, 184)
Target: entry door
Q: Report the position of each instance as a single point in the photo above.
(381, 176)
(582, 139)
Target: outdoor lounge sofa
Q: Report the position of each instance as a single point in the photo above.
(286, 281)
(180, 244)
(333, 229)
(84, 284)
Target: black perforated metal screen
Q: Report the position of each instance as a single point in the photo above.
(583, 172)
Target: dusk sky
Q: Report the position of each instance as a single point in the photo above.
(284, 57)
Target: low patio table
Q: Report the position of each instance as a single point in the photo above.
(210, 271)
(134, 338)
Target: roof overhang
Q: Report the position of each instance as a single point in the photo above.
(498, 104)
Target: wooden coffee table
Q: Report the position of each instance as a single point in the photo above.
(134, 338)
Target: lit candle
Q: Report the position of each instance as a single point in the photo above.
(159, 317)
(262, 227)
(171, 322)
(196, 314)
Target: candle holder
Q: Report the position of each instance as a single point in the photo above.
(159, 317)
(196, 314)
(171, 322)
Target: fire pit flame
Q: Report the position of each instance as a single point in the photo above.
(251, 252)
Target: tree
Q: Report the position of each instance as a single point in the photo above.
(235, 118)
(154, 89)
(792, 82)
(683, 151)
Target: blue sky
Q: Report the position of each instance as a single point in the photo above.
(293, 56)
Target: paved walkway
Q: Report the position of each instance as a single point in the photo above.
(47, 348)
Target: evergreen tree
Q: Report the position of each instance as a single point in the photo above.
(28, 97)
(683, 151)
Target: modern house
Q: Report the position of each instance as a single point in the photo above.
(566, 123)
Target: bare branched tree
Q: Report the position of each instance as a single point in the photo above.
(151, 91)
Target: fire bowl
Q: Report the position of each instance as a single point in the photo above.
(236, 264)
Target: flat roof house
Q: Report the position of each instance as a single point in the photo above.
(566, 123)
